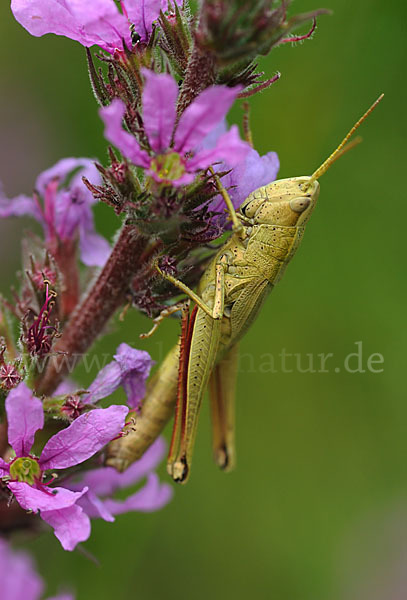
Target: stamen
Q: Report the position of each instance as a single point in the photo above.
(41, 332)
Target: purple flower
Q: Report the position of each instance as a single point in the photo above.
(102, 483)
(19, 580)
(173, 157)
(241, 179)
(129, 369)
(25, 473)
(98, 22)
(66, 212)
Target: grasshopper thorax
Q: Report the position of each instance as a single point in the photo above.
(285, 202)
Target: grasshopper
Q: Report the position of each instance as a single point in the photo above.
(267, 230)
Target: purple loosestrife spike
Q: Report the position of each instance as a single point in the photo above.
(109, 291)
(24, 475)
(19, 580)
(176, 163)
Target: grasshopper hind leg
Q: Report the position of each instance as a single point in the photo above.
(222, 387)
(199, 347)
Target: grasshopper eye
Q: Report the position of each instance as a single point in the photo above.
(298, 205)
(243, 209)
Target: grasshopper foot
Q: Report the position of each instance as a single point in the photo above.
(224, 458)
(179, 470)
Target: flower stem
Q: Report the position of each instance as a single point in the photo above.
(200, 75)
(88, 320)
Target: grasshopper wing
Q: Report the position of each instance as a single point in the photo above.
(247, 305)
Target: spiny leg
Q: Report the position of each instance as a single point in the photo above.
(200, 352)
(217, 311)
(180, 408)
(170, 310)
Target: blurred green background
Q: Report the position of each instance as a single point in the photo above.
(317, 507)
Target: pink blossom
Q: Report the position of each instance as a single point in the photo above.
(98, 22)
(66, 210)
(102, 483)
(176, 163)
(19, 580)
(129, 369)
(253, 172)
(25, 474)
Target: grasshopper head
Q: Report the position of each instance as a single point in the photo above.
(286, 202)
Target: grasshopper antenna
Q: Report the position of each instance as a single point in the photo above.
(343, 146)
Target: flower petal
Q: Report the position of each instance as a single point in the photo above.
(66, 387)
(20, 206)
(142, 13)
(4, 468)
(106, 480)
(85, 167)
(95, 508)
(25, 416)
(135, 366)
(107, 381)
(153, 496)
(40, 18)
(229, 148)
(112, 117)
(249, 175)
(130, 368)
(98, 22)
(19, 581)
(88, 434)
(95, 249)
(165, 4)
(35, 499)
(203, 115)
(71, 525)
(159, 113)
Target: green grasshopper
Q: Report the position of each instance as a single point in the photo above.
(267, 230)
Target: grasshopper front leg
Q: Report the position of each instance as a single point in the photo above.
(216, 312)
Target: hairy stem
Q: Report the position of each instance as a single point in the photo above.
(200, 74)
(91, 316)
